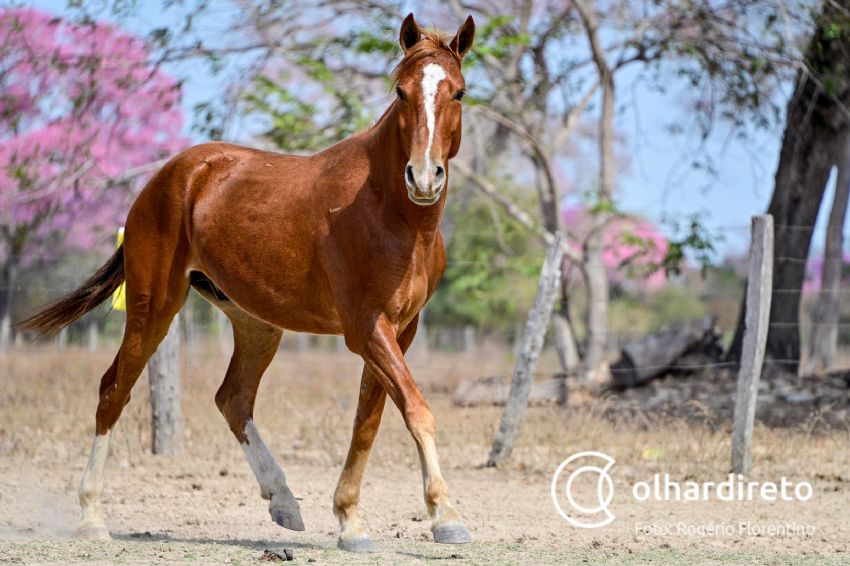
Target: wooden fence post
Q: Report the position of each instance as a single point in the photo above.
(532, 344)
(224, 331)
(469, 338)
(756, 322)
(93, 335)
(164, 377)
(303, 342)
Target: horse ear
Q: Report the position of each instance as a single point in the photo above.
(409, 34)
(463, 40)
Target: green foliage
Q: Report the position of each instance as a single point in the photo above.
(368, 42)
(696, 240)
(209, 121)
(834, 30)
(493, 265)
(494, 39)
(297, 125)
(596, 205)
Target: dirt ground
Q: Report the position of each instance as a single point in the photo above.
(203, 507)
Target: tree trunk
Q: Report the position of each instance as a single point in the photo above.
(596, 279)
(532, 344)
(164, 377)
(816, 126)
(562, 324)
(596, 283)
(565, 340)
(651, 356)
(823, 341)
(568, 356)
(10, 279)
(563, 336)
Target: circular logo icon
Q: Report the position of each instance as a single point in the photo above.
(583, 516)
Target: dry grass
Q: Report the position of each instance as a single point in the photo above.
(306, 405)
(305, 409)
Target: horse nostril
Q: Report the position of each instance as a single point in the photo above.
(440, 173)
(408, 171)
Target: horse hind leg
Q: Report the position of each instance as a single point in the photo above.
(255, 344)
(92, 525)
(154, 296)
(353, 536)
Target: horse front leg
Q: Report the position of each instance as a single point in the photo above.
(384, 356)
(370, 407)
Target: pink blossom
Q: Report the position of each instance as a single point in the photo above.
(633, 249)
(79, 104)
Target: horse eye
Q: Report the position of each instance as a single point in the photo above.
(459, 95)
(399, 93)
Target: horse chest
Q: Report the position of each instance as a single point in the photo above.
(398, 285)
(413, 295)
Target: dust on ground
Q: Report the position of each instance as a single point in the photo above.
(204, 506)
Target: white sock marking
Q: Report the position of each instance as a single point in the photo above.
(431, 77)
(265, 468)
(91, 487)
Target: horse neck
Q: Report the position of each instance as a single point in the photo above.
(389, 158)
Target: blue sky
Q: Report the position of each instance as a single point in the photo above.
(658, 182)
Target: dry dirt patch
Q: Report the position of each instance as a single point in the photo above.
(204, 507)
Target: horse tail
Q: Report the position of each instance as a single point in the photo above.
(99, 287)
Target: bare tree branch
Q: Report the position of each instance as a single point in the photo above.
(515, 212)
(571, 120)
(540, 156)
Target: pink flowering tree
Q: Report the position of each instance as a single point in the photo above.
(80, 104)
(634, 251)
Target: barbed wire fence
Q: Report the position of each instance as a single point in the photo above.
(103, 326)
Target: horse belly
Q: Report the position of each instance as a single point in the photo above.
(264, 261)
(287, 303)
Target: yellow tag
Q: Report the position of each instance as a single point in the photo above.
(119, 297)
(652, 454)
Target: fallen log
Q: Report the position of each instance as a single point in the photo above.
(660, 352)
(494, 391)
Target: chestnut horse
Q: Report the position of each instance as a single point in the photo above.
(346, 241)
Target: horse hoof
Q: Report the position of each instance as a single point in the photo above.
(360, 543)
(91, 531)
(288, 518)
(451, 533)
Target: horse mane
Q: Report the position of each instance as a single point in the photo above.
(430, 43)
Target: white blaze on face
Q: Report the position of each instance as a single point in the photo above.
(431, 77)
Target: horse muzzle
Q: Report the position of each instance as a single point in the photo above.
(424, 187)
(426, 200)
